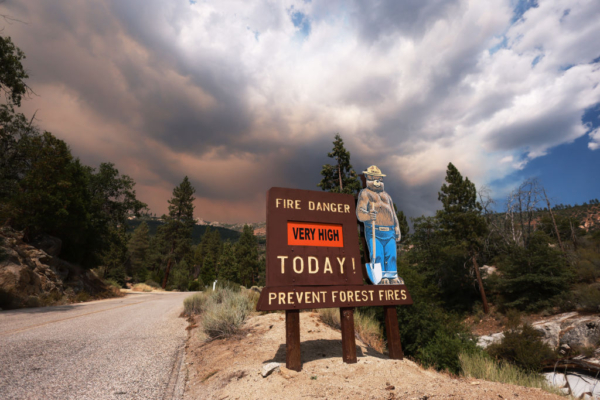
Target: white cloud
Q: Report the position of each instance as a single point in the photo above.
(595, 139)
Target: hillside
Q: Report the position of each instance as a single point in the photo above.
(230, 369)
(154, 223)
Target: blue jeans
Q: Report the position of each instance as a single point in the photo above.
(385, 243)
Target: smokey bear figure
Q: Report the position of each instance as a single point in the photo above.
(375, 210)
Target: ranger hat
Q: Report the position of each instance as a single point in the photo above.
(374, 171)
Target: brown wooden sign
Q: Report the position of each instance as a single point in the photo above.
(313, 261)
(309, 297)
(312, 239)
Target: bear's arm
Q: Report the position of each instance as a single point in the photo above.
(362, 207)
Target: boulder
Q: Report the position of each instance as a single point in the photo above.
(550, 332)
(584, 332)
(485, 341)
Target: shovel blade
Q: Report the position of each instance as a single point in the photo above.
(374, 272)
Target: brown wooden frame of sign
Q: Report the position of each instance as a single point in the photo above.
(287, 292)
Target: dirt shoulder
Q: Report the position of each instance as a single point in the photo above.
(230, 369)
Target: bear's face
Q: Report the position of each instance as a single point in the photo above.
(375, 183)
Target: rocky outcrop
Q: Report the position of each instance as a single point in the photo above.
(571, 329)
(31, 271)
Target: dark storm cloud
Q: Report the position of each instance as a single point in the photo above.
(384, 18)
(226, 93)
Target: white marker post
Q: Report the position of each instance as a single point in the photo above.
(214, 285)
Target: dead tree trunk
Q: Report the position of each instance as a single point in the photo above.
(486, 308)
(554, 223)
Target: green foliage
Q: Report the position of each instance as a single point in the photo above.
(152, 283)
(246, 254)
(340, 177)
(522, 347)
(12, 73)
(529, 277)
(479, 365)
(180, 276)
(175, 234)
(228, 267)
(196, 285)
(587, 297)
(138, 252)
(402, 221)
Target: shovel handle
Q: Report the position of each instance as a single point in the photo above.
(374, 247)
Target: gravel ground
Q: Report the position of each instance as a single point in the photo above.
(126, 348)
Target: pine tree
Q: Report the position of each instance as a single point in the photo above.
(179, 224)
(404, 228)
(462, 220)
(340, 177)
(227, 267)
(247, 257)
(209, 265)
(138, 251)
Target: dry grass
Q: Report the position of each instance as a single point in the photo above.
(366, 327)
(480, 366)
(141, 287)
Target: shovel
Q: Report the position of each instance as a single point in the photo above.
(374, 269)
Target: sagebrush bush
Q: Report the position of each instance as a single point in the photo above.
(522, 347)
(193, 304)
(479, 365)
(226, 317)
(141, 287)
(222, 311)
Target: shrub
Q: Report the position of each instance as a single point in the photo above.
(522, 347)
(195, 286)
(141, 287)
(223, 311)
(531, 276)
(194, 303)
(587, 297)
(152, 283)
(479, 365)
(112, 283)
(82, 296)
(225, 284)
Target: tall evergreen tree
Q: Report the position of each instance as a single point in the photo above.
(138, 251)
(227, 267)
(246, 255)
(339, 177)
(179, 224)
(404, 228)
(461, 218)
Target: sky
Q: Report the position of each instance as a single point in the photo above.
(242, 96)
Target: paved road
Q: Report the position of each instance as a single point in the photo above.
(126, 348)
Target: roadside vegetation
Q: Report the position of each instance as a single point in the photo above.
(480, 365)
(221, 313)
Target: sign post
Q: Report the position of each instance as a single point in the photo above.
(313, 261)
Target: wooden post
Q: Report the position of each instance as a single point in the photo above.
(292, 340)
(392, 331)
(348, 340)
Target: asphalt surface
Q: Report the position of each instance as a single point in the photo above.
(125, 348)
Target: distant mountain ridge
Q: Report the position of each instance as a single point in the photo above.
(197, 233)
